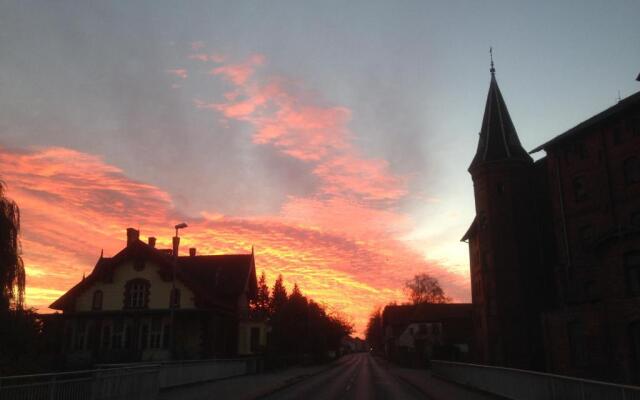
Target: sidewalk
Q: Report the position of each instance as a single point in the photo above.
(244, 387)
(435, 388)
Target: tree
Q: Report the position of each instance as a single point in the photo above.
(278, 296)
(374, 333)
(424, 288)
(260, 305)
(12, 276)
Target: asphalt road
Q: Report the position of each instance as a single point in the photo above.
(357, 376)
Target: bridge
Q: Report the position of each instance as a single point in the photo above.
(356, 376)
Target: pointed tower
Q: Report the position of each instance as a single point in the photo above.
(502, 241)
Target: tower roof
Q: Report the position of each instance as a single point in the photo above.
(498, 137)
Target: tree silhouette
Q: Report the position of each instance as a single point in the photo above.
(424, 288)
(374, 332)
(260, 305)
(278, 296)
(12, 276)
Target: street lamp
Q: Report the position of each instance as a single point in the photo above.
(173, 296)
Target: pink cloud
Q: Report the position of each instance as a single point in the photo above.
(197, 45)
(179, 72)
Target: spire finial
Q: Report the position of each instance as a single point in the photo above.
(492, 69)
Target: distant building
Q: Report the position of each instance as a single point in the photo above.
(122, 311)
(555, 245)
(415, 333)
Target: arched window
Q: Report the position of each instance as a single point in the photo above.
(96, 304)
(136, 294)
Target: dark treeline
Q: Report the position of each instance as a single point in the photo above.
(23, 346)
(302, 331)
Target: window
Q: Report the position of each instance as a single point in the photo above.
(116, 338)
(155, 337)
(579, 188)
(500, 188)
(138, 264)
(166, 332)
(632, 268)
(81, 330)
(96, 304)
(136, 294)
(436, 329)
(174, 298)
(631, 167)
(144, 336)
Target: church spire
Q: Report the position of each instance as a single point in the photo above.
(498, 136)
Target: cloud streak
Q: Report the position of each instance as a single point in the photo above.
(339, 242)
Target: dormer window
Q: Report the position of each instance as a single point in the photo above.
(136, 294)
(96, 303)
(138, 264)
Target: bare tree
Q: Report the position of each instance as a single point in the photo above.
(424, 288)
(12, 276)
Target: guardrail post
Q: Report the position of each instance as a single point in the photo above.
(52, 389)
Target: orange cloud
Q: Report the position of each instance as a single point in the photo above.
(74, 205)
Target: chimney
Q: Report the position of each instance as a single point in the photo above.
(152, 242)
(132, 235)
(192, 251)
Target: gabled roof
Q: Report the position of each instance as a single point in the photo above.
(471, 231)
(621, 106)
(498, 137)
(408, 313)
(215, 280)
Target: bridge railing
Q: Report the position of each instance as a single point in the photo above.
(137, 383)
(530, 385)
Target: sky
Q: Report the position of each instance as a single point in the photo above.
(333, 137)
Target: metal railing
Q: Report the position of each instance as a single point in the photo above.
(137, 383)
(140, 381)
(520, 384)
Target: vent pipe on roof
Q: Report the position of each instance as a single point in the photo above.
(133, 235)
(152, 242)
(192, 251)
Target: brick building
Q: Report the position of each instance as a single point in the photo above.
(555, 245)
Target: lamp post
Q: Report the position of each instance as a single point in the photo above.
(173, 297)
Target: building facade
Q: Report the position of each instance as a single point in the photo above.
(135, 307)
(555, 246)
(413, 334)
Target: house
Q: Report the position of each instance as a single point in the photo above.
(415, 333)
(123, 311)
(555, 245)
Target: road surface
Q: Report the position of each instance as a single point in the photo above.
(357, 376)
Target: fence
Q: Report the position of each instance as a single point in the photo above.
(136, 383)
(529, 385)
(123, 381)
